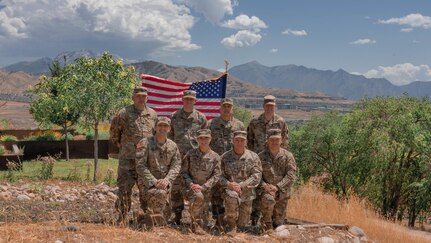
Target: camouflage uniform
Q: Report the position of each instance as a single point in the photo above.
(202, 169)
(279, 171)
(183, 132)
(257, 131)
(222, 134)
(246, 170)
(128, 127)
(154, 162)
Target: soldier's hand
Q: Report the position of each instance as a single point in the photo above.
(196, 188)
(234, 187)
(271, 189)
(162, 184)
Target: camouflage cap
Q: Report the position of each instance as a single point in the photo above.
(204, 133)
(140, 91)
(189, 94)
(269, 99)
(164, 120)
(242, 134)
(226, 101)
(274, 133)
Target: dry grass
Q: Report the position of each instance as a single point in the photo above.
(312, 204)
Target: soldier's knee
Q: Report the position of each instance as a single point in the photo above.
(198, 197)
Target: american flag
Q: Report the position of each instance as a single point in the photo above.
(165, 96)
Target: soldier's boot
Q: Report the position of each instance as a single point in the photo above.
(255, 217)
(230, 229)
(219, 221)
(197, 228)
(122, 219)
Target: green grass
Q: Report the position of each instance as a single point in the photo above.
(75, 170)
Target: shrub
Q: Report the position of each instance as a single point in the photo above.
(2, 150)
(8, 138)
(47, 170)
(43, 137)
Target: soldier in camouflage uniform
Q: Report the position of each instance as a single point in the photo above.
(201, 171)
(128, 127)
(278, 175)
(241, 173)
(258, 128)
(222, 129)
(257, 133)
(158, 164)
(185, 123)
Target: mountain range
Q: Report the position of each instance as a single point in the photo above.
(335, 83)
(338, 83)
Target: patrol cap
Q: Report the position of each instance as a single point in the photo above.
(140, 91)
(189, 94)
(274, 133)
(164, 120)
(204, 133)
(226, 101)
(269, 99)
(241, 134)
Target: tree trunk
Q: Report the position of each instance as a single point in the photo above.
(67, 141)
(96, 149)
(412, 218)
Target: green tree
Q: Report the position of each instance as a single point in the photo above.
(242, 114)
(52, 102)
(103, 86)
(381, 151)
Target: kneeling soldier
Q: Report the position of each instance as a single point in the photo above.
(158, 164)
(278, 175)
(241, 173)
(201, 171)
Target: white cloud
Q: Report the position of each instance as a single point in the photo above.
(406, 30)
(294, 32)
(213, 10)
(162, 23)
(415, 20)
(363, 42)
(401, 74)
(243, 38)
(243, 22)
(273, 50)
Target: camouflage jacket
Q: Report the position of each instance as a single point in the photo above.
(129, 126)
(154, 161)
(257, 132)
(278, 171)
(202, 169)
(184, 128)
(222, 133)
(245, 169)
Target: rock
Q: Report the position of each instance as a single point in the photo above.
(325, 240)
(58, 241)
(300, 227)
(72, 228)
(283, 234)
(356, 231)
(5, 195)
(280, 228)
(23, 197)
(112, 195)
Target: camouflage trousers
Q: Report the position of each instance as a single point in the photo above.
(273, 209)
(126, 179)
(177, 199)
(217, 206)
(157, 202)
(237, 212)
(196, 207)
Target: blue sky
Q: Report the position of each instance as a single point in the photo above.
(376, 38)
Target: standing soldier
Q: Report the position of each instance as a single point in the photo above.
(278, 175)
(257, 133)
(241, 173)
(258, 128)
(201, 171)
(185, 123)
(158, 164)
(222, 129)
(128, 127)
